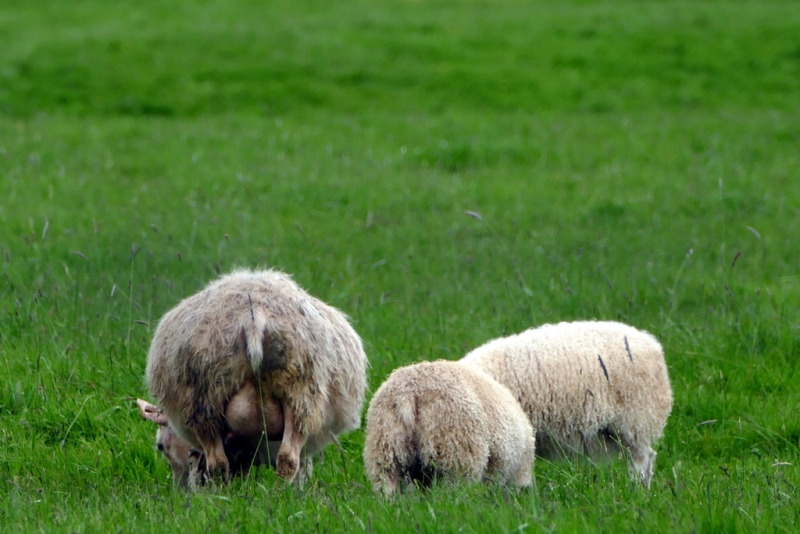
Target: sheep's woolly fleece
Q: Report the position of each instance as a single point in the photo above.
(445, 418)
(257, 325)
(586, 386)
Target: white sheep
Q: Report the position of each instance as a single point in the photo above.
(444, 418)
(587, 387)
(245, 443)
(259, 327)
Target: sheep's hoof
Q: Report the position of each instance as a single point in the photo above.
(388, 487)
(205, 477)
(286, 466)
(220, 474)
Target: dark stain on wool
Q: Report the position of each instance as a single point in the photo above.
(603, 365)
(628, 348)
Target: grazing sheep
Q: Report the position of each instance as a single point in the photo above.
(445, 418)
(587, 387)
(245, 443)
(259, 327)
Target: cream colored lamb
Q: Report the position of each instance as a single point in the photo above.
(258, 327)
(444, 418)
(587, 388)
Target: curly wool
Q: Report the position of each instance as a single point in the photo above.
(586, 386)
(445, 419)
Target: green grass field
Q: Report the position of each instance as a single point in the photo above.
(629, 160)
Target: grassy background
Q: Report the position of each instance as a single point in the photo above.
(630, 160)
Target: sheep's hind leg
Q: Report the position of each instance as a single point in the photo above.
(287, 463)
(521, 474)
(388, 483)
(389, 473)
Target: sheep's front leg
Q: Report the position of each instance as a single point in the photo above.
(216, 461)
(195, 475)
(288, 461)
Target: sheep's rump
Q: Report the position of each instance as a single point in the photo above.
(445, 419)
(257, 324)
(586, 386)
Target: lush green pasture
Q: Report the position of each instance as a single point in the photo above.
(443, 171)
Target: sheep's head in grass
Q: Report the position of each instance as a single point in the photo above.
(177, 450)
(253, 430)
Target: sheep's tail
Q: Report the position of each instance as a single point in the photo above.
(405, 412)
(255, 337)
(266, 346)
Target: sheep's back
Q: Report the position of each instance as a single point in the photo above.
(584, 374)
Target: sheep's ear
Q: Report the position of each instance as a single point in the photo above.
(151, 412)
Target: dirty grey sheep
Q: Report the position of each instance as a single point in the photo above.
(259, 327)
